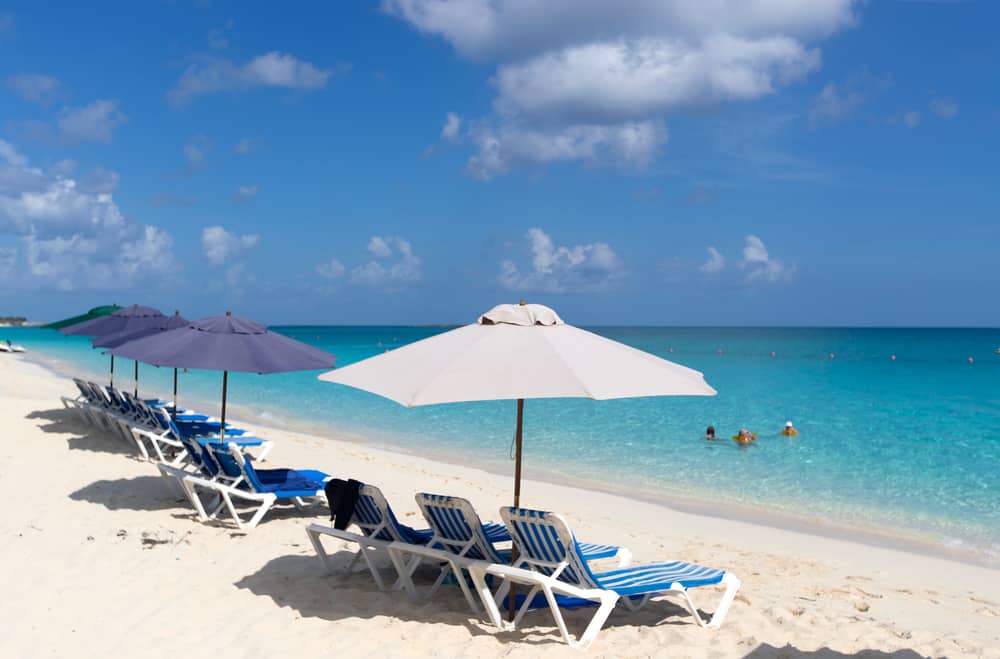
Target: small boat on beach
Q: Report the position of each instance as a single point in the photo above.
(7, 346)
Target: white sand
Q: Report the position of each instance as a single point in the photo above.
(99, 556)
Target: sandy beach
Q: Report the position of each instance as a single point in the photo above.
(100, 556)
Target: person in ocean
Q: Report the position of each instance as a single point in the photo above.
(710, 432)
(744, 436)
(789, 430)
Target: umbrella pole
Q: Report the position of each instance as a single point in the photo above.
(136, 392)
(173, 412)
(225, 385)
(112, 384)
(517, 498)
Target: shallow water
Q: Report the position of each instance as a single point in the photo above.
(910, 445)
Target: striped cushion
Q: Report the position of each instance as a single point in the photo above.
(656, 577)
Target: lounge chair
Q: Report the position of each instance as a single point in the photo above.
(547, 548)
(165, 433)
(238, 480)
(458, 529)
(382, 533)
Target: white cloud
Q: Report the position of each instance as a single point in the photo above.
(379, 247)
(73, 234)
(218, 38)
(246, 193)
(244, 146)
(10, 155)
(944, 107)
(452, 125)
(630, 80)
(63, 168)
(273, 69)
(35, 88)
(911, 119)
(394, 263)
(573, 73)
(760, 265)
(715, 263)
(91, 123)
(835, 103)
(561, 269)
(220, 245)
(501, 148)
(332, 269)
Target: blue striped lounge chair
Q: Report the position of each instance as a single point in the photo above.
(548, 548)
(458, 529)
(167, 434)
(381, 533)
(237, 480)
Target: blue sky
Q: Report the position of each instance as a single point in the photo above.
(417, 161)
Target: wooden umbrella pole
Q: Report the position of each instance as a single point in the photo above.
(136, 391)
(225, 385)
(517, 499)
(112, 371)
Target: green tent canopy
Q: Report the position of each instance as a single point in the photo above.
(96, 312)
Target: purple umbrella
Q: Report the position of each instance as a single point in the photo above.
(226, 343)
(138, 327)
(112, 323)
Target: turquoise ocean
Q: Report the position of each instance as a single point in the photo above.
(904, 449)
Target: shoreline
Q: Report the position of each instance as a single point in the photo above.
(693, 502)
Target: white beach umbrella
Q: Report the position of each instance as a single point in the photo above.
(515, 352)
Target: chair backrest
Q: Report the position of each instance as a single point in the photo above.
(456, 526)
(117, 401)
(375, 518)
(545, 543)
(200, 457)
(97, 395)
(233, 465)
(84, 391)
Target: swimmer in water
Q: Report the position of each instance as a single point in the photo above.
(789, 430)
(744, 436)
(710, 432)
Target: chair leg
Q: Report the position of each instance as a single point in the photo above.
(732, 586)
(265, 505)
(321, 551)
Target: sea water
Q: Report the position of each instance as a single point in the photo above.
(908, 447)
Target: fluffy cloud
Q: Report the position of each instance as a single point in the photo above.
(946, 108)
(561, 269)
(911, 119)
(452, 124)
(760, 265)
(274, 69)
(580, 69)
(35, 88)
(332, 269)
(393, 262)
(220, 245)
(834, 103)
(501, 148)
(72, 233)
(91, 123)
(715, 263)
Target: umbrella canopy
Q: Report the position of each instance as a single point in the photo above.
(113, 322)
(518, 352)
(137, 327)
(226, 343)
(96, 312)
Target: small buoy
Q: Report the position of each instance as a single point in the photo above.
(832, 356)
(772, 353)
(670, 350)
(971, 360)
(893, 358)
